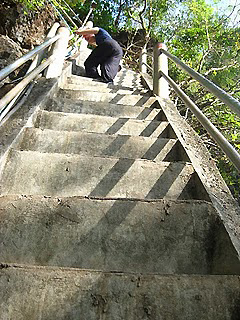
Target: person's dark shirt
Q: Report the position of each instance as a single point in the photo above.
(101, 36)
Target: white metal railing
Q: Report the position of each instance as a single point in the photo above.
(57, 39)
(54, 63)
(161, 82)
(13, 66)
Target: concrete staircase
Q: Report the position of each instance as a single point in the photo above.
(103, 215)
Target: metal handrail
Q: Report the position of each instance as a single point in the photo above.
(93, 6)
(75, 16)
(60, 15)
(233, 103)
(57, 58)
(160, 74)
(7, 70)
(148, 66)
(65, 14)
(12, 93)
(223, 143)
(149, 55)
(8, 101)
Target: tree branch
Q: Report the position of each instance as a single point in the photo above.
(220, 69)
(141, 13)
(223, 20)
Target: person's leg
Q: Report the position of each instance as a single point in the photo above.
(91, 64)
(109, 69)
(110, 66)
(96, 58)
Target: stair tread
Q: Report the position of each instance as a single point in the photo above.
(120, 233)
(52, 293)
(101, 124)
(126, 84)
(104, 108)
(32, 172)
(119, 99)
(102, 87)
(164, 237)
(125, 78)
(120, 146)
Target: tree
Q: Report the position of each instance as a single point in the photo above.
(209, 43)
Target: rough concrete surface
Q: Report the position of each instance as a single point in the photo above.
(91, 84)
(104, 89)
(103, 109)
(115, 235)
(119, 146)
(10, 129)
(139, 206)
(206, 169)
(30, 172)
(102, 124)
(43, 293)
(125, 99)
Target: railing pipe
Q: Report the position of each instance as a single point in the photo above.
(93, 6)
(74, 14)
(148, 67)
(70, 19)
(35, 63)
(233, 103)
(7, 70)
(12, 93)
(143, 61)
(227, 148)
(10, 109)
(60, 15)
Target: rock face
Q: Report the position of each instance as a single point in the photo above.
(25, 27)
(9, 52)
(20, 31)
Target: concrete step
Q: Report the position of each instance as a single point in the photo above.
(164, 237)
(129, 78)
(104, 109)
(126, 77)
(29, 172)
(143, 100)
(118, 81)
(127, 84)
(102, 89)
(94, 85)
(52, 293)
(95, 144)
(103, 124)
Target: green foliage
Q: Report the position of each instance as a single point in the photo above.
(31, 4)
(210, 45)
(102, 15)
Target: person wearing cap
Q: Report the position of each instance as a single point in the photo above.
(107, 54)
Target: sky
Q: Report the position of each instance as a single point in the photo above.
(226, 6)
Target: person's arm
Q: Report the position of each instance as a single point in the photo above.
(83, 31)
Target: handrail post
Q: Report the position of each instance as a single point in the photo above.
(59, 50)
(143, 61)
(156, 66)
(160, 63)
